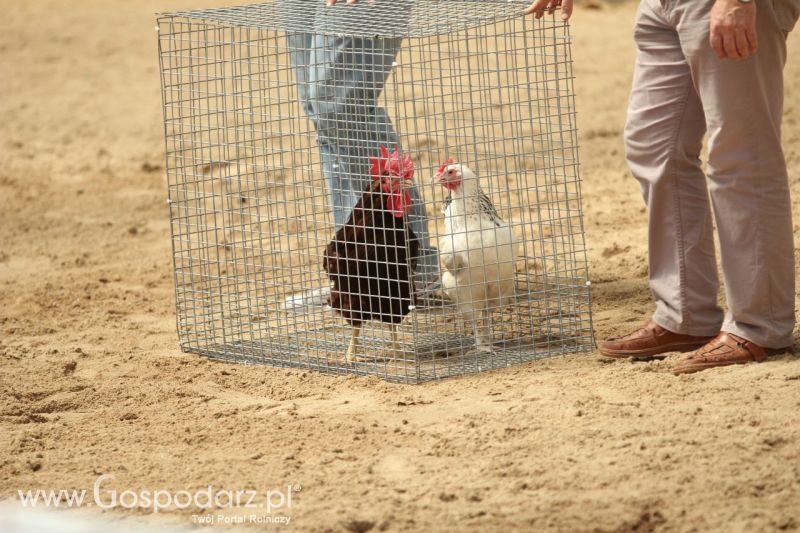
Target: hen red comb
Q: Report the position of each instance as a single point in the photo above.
(444, 165)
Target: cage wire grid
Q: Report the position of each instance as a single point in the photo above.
(272, 114)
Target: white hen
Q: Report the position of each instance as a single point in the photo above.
(478, 251)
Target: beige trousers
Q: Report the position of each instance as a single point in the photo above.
(681, 91)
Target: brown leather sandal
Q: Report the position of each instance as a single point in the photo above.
(725, 349)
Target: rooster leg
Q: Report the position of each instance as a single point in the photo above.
(354, 348)
(483, 334)
(397, 350)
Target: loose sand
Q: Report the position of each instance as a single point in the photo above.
(92, 381)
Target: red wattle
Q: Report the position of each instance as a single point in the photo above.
(398, 202)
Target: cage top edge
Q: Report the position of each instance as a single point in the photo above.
(368, 18)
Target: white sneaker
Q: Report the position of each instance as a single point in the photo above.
(316, 297)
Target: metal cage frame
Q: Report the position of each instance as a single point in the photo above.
(269, 108)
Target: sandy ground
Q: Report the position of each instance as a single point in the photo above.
(93, 383)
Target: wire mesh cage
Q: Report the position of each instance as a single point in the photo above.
(389, 188)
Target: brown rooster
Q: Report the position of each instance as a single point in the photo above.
(371, 259)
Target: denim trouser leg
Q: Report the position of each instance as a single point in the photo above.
(339, 81)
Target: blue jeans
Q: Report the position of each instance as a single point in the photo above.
(339, 80)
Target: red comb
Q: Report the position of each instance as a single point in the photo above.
(444, 165)
(400, 165)
(379, 165)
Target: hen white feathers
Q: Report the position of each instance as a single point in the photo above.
(478, 252)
